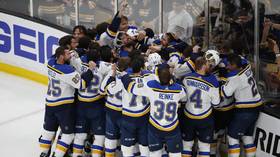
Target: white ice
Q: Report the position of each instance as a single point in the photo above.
(21, 116)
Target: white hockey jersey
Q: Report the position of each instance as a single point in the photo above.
(226, 104)
(91, 93)
(113, 91)
(164, 102)
(134, 106)
(75, 61)
(107, 38)
(181, 70)
(203, 95)
(243, 87)
(63, 79)
(104, 68)
(174, 58)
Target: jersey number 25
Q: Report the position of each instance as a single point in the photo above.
(53, 88)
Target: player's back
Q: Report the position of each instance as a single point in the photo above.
(203, 94)
(91, 93)
(134, 106)
(164, 104)
(221, 74)
(245, 89)
(104, 68)
(114, 93)
(63, 79)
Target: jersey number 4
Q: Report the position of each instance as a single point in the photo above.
(196, 98)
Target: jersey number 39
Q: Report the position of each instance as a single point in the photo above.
(166, 111)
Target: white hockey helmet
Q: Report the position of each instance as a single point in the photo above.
(132, 32)
(154, 59)
(213, 57)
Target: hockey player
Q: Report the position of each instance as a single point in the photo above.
(164, 96)
(144, 39)
(242, 85)
(223, 113)
(113, 90)
(90, 108)
(203, 95)
(63, 79)
(170, 49)
(182, 69)
(70, 42)
(135, 111)
(119, 23)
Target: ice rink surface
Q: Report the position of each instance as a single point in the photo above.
(21, 116)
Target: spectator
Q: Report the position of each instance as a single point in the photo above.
(51, 11)
(180, 21)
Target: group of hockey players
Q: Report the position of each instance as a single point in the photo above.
(150, 95)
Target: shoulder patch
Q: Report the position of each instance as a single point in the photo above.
(140, 85)
(76, 79)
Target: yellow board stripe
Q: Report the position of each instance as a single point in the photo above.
(21, 72)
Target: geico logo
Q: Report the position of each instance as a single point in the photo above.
(26, 42)
(267, 142)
